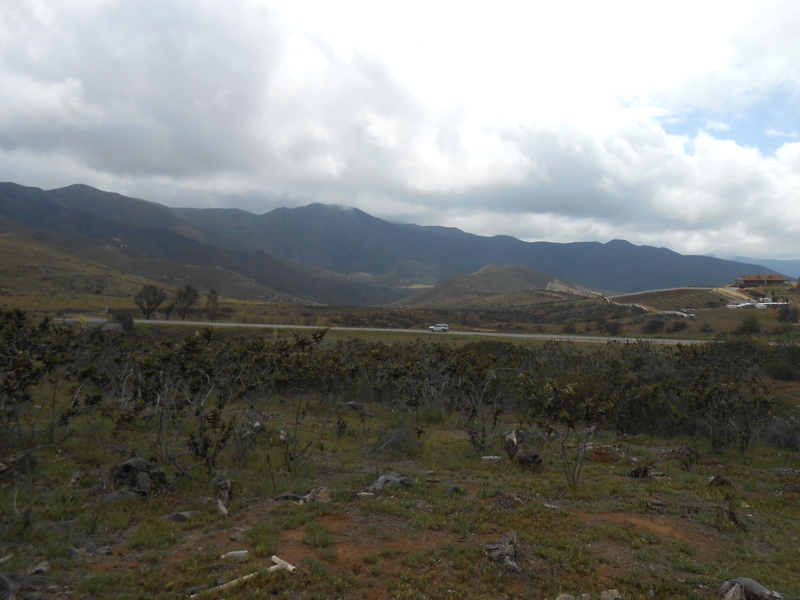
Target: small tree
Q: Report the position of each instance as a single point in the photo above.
(787, 314)
(186, 297)
(571, 415)
(748, 326)
(149, 298)
(212, 304)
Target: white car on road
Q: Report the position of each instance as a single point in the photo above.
(438, 327)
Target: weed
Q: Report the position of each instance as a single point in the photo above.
(317, 536)
(263, 538)
(155, 534)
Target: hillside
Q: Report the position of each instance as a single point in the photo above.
(326, 254)
(483, 288)
(33, 266)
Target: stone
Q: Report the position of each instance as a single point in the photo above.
(221, 509)
(182, 516)
(747, 589)
(388, 481)
(641, 472)
(143, 482)
(718, 481)
(6, 588)
(222, 486)
(609, 595)
(529, 459)
(43, 568)
(505, 551)
(511, 444)
(138, 475)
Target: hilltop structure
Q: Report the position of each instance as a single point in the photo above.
(760, 280)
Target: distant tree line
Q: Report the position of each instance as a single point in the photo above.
(151, 297)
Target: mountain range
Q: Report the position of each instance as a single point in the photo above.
(330, 254)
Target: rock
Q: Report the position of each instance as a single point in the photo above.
(182, 516)
(610, 595)
(237, 555)
(641, 472)
(742, 588)
(138, 475)
(388, 481)
(718, 481)
(511, 444)
(490, 459)
(734, 592)
(454, 490)
(529, 459)
(505, 551)
(43, 568)
(322, 495)
(221, 509)
(565, 597)
(222, 486)
(20, 581)
(6, 589)
(143, 482)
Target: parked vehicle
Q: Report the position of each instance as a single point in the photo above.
(438, 327)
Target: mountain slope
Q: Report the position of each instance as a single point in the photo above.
(89, 222)
(490, 281)
(332, 254)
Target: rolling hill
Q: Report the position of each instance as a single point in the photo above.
(483, 288)
(324, 254)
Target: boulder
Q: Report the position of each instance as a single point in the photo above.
(718, 481)
(138, 475)
(222, 487)
(388, 481)
(505, 552)
(742, 588)
(528, 458)
(641, 472)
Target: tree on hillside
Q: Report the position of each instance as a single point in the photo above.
(149, 298)
(212, 304)
(186, 297)
(749, 325)
(787, 314)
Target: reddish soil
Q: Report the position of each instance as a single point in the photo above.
(358, 536)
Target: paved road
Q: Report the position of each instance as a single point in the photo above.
(421, 332)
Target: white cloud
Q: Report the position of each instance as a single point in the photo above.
(539, 120)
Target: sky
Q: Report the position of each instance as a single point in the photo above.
(670, 124)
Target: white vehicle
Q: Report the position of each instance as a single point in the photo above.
(438, 327)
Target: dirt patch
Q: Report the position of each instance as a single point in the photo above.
(373, 550)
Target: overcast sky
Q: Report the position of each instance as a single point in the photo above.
(669, 124)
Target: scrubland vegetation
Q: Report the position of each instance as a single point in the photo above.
(287, 415)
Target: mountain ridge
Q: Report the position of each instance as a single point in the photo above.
(339, 255)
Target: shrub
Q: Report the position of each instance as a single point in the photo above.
(749, 325)
(655, 325)
(783, 435)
